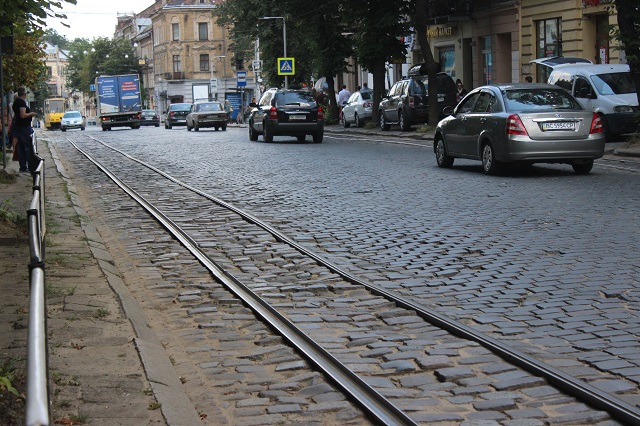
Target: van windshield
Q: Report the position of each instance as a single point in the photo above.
(616, 83)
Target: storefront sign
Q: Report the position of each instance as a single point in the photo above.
(441, 32)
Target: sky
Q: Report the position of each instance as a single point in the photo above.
(94, 18)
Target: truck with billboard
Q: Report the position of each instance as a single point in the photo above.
(119, 102)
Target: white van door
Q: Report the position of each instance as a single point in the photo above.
(584, 93)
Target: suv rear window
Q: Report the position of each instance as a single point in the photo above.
(539, 100)
(295, 98)
(179, 107)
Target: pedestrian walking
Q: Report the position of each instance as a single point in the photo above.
(22, 129)
(228, 109)
(343, 96)
(461, 92)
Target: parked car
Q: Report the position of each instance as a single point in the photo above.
(605, 89)
(72, 120)
(149, 117)
(283, 112)
(544, 66)
(520, 123)
(407, 102)
(359, 108)
(207, 114)
(177, 115)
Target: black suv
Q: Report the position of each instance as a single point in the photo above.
(407, 102)
(283, 112)
(177, 115)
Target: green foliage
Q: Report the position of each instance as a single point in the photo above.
(8, 375)
(32, 12)
(626, 33)
(26, 66)
(101, 56)
(52, 37)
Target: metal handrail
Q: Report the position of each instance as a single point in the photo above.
(37, 407)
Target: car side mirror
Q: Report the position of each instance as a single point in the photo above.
(448, 110)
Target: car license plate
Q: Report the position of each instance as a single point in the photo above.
(559, 125)
(440, 98)
(297, 117)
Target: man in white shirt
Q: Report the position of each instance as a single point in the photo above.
(343, 96)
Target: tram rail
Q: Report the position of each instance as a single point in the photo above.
(377, 406)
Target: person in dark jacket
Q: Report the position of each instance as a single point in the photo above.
(22, 129)
(461, 92)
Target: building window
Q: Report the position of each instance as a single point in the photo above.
(175, 31)
(50, 71)
(549, 38)
(177, 65)
(487, 58)
(204, 62)
(203, 31)
(447, 56)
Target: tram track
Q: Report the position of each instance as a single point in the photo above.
(618, 409)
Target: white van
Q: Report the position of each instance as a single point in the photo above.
(606, 89)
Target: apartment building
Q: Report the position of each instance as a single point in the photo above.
(494, 41)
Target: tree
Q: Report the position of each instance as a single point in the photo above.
(420, 16)
(26, 66)
(378, 38)
(627, 34)
(101, 56)
(52, 37)
(34, 12)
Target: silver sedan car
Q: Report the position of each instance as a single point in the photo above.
(359, 108)
(520, 123)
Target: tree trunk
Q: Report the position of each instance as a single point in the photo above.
(420, 20)
(627, 15)
(333, 104)
(379, 90)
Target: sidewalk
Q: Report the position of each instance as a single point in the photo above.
(95, 348)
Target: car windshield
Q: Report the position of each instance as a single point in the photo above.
(210, 106)
(72, 114)
(367, 96)
(615, 83)
(539, 100)
(295, 98)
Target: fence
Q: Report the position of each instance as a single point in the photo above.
(37, 408)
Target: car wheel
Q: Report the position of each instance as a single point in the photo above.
(383, 122)
(445, 161)
(169, 126)
(81, 128)
(345, 123)
(300, 138)
(489, 164)
(253, 135)
(357, 120)
(405, 126)
(188, 127)
(216, 128)
(158, 125)
(224, 127)
(63, 129)
(582, 167)
(318, 136)
(104, 129)
(195, 127)
(268, 133)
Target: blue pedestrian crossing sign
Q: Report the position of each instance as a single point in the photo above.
(286, 66)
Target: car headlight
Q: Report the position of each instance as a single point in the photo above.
(623, 108)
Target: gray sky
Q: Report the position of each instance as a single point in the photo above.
(94, 18)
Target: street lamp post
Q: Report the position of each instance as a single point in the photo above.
(224, 75)
(284, 39)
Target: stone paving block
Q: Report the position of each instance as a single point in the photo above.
(499, 404)
(452, 374)
(519, 383)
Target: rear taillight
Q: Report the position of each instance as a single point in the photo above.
(412, 101)
(320, 113)
(367, 105)
(273, 113)
(515, 126)
(596, 124)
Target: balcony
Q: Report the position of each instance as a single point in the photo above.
(176, 75)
